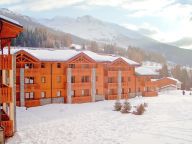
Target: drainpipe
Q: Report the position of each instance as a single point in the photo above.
(135, 85)
(51, 71)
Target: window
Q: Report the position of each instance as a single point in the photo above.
(84, 79)
(43, 94)
(129, 79)
(29, 95)
(59, 93)
(58, 65)
(123, 91)
(96, 79)
(85, 92)
(42, 65)
(73, 93)
(122, 79)
(129, 90)
(139, 90)
(29, 80)
(111, 91)
(71, 65)
(29, 65)
(43, 79)
(110, 80)
(73, 79)
(58, 79)
(97, 92)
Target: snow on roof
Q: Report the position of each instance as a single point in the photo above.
(45, 54)
(130, 61)
(171, 85)
(145, 71)
(174, 79)
(10, 20)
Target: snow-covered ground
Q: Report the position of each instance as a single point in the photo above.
(168, 120)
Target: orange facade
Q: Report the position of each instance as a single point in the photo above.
(8, 30)
(78, 79)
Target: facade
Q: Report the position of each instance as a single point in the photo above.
(8, 29)
(167, 84)
(47, 76)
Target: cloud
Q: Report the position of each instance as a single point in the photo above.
(7, 2)
(44, 5)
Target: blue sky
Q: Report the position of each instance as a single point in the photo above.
(163, 20)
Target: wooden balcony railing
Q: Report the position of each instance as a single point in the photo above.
(31, 86)
(86, 85)
(32, 103)
(8, 127)
(5, 62)
(112, 97)
(5, 95)
(81, 99)
(150, 93)
(31, 71)
(80, 71)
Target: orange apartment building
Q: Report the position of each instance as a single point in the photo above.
(47, 76)
(8, 29)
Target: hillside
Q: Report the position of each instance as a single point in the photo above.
(91, 28)
(33, 29)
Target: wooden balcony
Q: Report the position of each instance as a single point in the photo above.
(81, 99)
(32, 86)
(112, 85)
(80, 71)
(5, 95)
(32, 103)
(8, 127)
(112, 97)
(81, 85)
(5, 62)
(150, 93)
(31, 72)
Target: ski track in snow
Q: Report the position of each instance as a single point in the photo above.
(168, 120)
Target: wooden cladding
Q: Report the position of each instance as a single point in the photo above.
(8, 127)
(5, 95)
(5, 62)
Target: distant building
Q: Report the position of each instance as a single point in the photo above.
(168, 83)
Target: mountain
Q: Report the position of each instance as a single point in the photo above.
(185, 42)
(31, 23)
(90, 28)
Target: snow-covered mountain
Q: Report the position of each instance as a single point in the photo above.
(91, 28)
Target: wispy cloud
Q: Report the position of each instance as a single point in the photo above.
(7, 2)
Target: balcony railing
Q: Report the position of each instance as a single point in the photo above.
(150, 93)
(81, 85)
(5, 62)
(80, 71)
(81, 99)
(112, 97)
(5, 95)
(8, 127)
(32, 86)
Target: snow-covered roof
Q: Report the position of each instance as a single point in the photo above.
(145, 71)
(45, 54)
(10, 20)
(174, 79)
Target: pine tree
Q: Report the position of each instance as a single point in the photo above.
(126, 107)
(117, 105)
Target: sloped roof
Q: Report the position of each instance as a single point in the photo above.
(10, 20)
(45, 54)
(145, 71)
